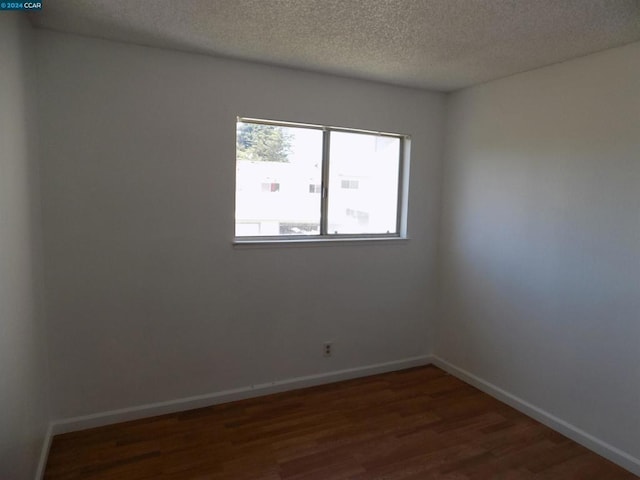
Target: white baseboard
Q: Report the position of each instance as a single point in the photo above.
(600, 447)
(199, 401)
(44, 453)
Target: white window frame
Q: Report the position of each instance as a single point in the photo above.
(325, 236)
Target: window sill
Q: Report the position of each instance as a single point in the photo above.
(315, 242)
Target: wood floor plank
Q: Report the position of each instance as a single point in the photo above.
(415, 424)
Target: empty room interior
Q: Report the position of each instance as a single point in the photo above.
(320, 239)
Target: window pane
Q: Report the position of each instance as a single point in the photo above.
(363, 183)
(275, 167)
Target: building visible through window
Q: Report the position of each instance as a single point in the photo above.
(321, 181)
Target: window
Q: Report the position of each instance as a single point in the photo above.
(270, 187)
(296, 180)
(352, 184)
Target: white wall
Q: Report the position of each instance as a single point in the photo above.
(23, 379)
(540, 248)
(148, 300)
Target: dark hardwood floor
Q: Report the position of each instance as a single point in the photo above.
(414, 424)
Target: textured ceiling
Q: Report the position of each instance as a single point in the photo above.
(436, 44)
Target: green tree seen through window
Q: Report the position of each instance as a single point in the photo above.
(263, 143)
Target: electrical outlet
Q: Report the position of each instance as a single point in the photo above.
(327, 349)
